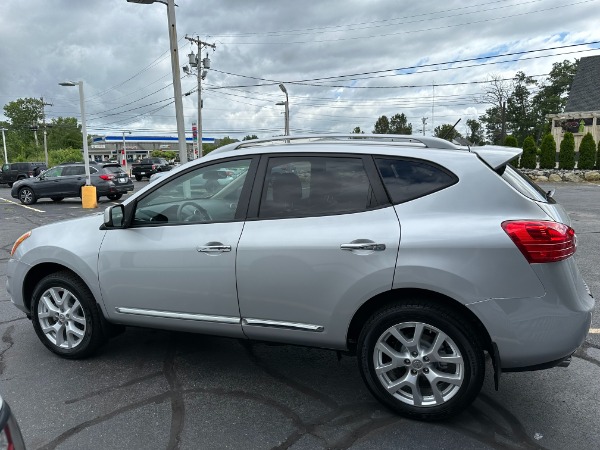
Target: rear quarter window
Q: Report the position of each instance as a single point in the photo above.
(406, 179)
(525, 185)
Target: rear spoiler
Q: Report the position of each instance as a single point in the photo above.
(497, 155)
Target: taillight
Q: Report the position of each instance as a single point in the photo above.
(542, 241)
(107, 177)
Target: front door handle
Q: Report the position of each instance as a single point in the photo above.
(213, 247)
(372, 246)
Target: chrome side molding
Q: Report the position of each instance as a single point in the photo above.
(285, 325)
(176, 315)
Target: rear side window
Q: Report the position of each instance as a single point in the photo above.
(315, 186)
(407, 179)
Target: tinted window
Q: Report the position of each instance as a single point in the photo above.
(114, 169)
(54, 172)
(409, 179)
(524, 184)
(200, 196)
(309, 186)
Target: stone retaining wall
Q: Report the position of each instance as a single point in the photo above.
(556, 175)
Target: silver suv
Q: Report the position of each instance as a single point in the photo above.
(415, 254)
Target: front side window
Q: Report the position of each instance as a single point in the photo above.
(54, 172)
(314, 186)
(407, 179)
(207, 194)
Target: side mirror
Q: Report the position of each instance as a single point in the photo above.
(114, 216)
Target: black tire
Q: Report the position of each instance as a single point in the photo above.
(78, 310)
(138, 178)
(10, 184)
(57, 199)
(414, 367)
(114, 196)
(27, 196)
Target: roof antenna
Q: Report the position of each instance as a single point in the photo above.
(450, 130)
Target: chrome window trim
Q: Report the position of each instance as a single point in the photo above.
(286, 325)
(176, 315)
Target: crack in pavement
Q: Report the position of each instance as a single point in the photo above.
(7, 339)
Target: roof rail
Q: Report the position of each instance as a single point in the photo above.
(425, 141)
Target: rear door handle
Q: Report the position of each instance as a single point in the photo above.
(213, 247)
(363, 246)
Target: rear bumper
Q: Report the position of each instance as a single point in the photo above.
(537, 333)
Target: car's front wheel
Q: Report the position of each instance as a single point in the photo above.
(57, 199)
(421, 360)
(65, 316)
(114, 196)
(27, 196)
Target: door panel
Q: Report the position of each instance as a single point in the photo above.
(319, 247)
(157, 276)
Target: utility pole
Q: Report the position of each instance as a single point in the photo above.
(424, 120)
(45, 132)
(4, 142)
(201, 67)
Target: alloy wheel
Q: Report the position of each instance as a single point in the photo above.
(61, 318)
(418, 364)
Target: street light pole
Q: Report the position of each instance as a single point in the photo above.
(91, 191)
(176, 74)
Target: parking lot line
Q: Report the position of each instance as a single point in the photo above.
(19, 204)
(594, 330)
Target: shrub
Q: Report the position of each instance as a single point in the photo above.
(511, 141)
(548, 152)
(587, 153)
(566, 155)
(529, 158)
(598, 157)
(64, 155)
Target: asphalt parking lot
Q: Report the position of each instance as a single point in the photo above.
(158, 389)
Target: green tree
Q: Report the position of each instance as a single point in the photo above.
(587, 153)
(63, 132)
(598, 157)
(249, 137)
(357, 131)
(64, 155)
(519, 117)
(166, 154)
(548, 152)
(22, 114)
(382, 126)
(475, 136)
(446, 131)
(491, 120)
(529, 158)
(399, 125)
(511, 141)
(552, 95)
(207, 148)
(566, 155)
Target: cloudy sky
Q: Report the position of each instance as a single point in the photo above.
(344, 63)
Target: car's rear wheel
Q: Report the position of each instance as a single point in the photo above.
(138, 178)
(114, 196)
(65, 316)
(10, 183)
(57, 199)
(421, 360)
(27, 196)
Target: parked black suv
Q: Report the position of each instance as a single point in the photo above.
(19, 171)
(66, 180)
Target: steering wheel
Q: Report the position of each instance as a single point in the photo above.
(192, 212)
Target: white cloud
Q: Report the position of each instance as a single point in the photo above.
(106, 43)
